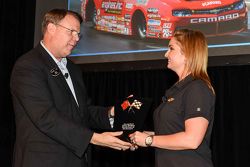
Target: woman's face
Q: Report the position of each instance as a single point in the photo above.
(175, 56)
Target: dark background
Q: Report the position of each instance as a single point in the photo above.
(231, 132)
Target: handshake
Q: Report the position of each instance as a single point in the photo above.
(112, 140)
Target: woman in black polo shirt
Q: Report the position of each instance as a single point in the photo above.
(183, 121)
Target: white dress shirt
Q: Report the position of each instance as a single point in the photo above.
(63, 67)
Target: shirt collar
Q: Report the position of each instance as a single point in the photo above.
(63, 60)
(184, 81)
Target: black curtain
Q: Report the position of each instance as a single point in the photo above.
(16, 37)
(231, 132)
(230, 140)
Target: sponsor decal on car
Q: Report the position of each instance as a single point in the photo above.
(209, 3)
(153, 10)
(153, 22)
(112, 7)
(215, 19)
(153, 16)
(141, 2)
(129, 6)
(166, 33)
(167, 25)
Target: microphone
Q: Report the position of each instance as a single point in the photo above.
(164, 99)
(66, 75)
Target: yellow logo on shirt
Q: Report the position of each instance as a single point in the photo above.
(170, 99)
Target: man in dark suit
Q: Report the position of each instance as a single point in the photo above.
(54, 119)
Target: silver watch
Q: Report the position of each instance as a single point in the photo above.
(149, 140)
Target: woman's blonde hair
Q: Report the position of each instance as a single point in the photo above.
(194, 45)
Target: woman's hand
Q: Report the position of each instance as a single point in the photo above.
(138, 138)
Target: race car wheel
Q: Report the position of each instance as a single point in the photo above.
(93, 16)
(91, 13)
(139, 26)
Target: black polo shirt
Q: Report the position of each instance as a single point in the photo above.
(187, 99)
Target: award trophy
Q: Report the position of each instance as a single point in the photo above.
(130, 115)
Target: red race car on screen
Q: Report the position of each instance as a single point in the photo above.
(160, 18)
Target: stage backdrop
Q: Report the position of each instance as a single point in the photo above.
(123, 33)
(230, 141)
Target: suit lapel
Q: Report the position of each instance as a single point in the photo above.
(54, 70)
(75, 78)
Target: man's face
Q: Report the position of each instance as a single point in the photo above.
(65, 36)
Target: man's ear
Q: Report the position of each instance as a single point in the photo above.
(51, 28)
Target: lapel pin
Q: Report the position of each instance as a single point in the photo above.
(54, 72)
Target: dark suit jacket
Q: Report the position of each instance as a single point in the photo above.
(51, 130)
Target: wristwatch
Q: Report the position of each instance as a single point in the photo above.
(149, 140)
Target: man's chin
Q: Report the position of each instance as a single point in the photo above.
(68, 52)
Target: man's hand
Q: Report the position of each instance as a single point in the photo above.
(110, 139)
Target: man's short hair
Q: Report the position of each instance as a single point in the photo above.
(56, 15)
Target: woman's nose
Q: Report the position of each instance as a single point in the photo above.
(166, 55)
